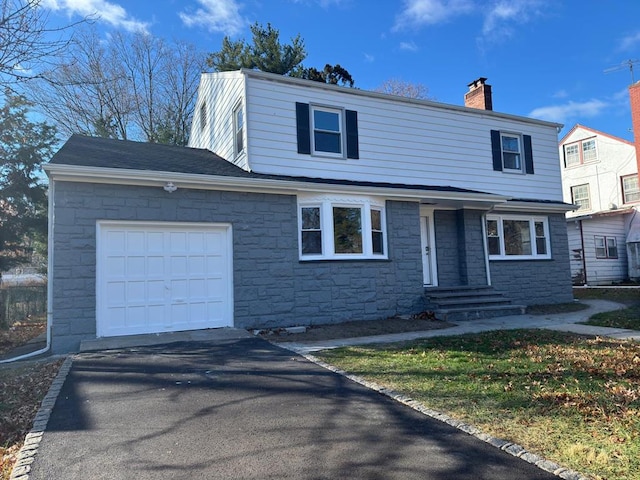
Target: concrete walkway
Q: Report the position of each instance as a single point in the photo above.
(566, 322)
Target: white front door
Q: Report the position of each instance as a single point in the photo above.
(163, 277)
(429, 270)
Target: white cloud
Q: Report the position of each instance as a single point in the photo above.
(417, 13)
(217, 16)
(101, 10)
(369, 58)
(504, 15)
(571, 110)
(630, 41)
(408, 46)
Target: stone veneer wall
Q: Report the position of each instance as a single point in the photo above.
(538, 282)
(272, 287)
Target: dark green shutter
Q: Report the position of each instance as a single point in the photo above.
(528, 154)
(353, 150)
(496, 150)
(303, 128)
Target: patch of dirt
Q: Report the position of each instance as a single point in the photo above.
(361, 328)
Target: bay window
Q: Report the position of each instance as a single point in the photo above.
(341, 228)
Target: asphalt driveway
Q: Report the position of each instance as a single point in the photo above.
(245, 409)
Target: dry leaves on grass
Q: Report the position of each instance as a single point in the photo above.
(20, 333)
(22, 389)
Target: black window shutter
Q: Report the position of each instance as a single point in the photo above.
(496, 150)
(528, 154)
(353, 150)
(303, 128)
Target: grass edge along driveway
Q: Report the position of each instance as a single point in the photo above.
(571, 399)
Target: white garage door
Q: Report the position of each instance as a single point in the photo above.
(162, 277)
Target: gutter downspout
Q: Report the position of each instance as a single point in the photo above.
(584, 253)
(49, 283)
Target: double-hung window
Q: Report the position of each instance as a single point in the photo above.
(327, 130)
(580, 152)
(606, 247)
(580, 196)
(517, 237)
(630, 189)
(512, 152)
(341, 228)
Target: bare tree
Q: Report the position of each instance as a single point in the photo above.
(26, 42)
(396, 86)
(135, 87)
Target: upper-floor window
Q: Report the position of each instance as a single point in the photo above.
(238, 129)
(203, 115)
(517, 237)
(511, 152)
(327, 131)
(580, 196)
(630, 189)
(580, 152)
(606, 247)
(341, 228)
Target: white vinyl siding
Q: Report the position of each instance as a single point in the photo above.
(399, 142)
(599, 270)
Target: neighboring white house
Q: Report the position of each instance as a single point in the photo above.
(600, 176)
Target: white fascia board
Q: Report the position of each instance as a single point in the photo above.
(542, 207)
(118, 176)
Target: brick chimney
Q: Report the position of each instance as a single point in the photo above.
(479, 95)
(634, 97)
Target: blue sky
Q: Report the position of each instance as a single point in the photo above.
(544, 58)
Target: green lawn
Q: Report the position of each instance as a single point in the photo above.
(625, 318)
(573, 400)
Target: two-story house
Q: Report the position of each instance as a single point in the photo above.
(303, 203)
(600, 176)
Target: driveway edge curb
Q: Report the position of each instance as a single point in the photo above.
(26, 455)
(511, 448)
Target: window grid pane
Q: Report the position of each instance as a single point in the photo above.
(541, 239)
(612, 248)
(571, 155)
(493, 237)
(327, 131)
(580, 196)
(601, 250)
(511, 152)
(631, 188)
(589, 151)
(311, 231)
(376, 232)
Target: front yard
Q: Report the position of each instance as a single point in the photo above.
(571, 399)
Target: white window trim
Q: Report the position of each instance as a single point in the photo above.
(605, 245)
(532, 232)
(626, 192)
(341, 123)
(588, 197)
(506, 169)
(326, 204)
(236, 109)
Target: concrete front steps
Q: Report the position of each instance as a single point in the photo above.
(469, 303)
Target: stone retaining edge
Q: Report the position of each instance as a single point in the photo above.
(26, 455)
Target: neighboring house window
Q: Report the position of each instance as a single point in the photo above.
(630, 189)
(327, 131)
(517, 237)
(238, 130)
(341, 228)
(580, 152)
(203, 115)
(606, 247)
(580, 196)
(511, 152)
